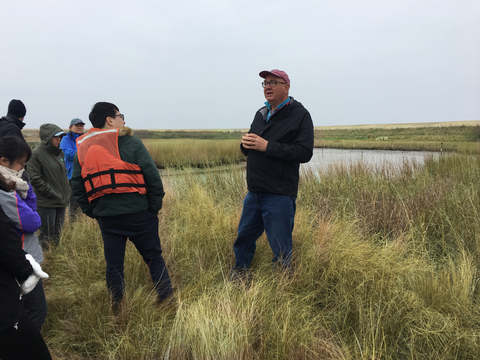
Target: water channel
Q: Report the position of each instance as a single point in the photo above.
(324, 157)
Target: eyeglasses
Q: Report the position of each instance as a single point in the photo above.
(121, 115)
(272, 83)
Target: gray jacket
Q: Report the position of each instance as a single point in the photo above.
(23, 217)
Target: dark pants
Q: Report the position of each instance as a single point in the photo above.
(73, 206)
(52, 224)
(23, 341)
(267, 212)
(35, 305)
(142, 231)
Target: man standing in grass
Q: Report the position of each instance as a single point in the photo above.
(116, 182)
(280, 138)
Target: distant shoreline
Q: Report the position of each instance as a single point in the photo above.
(329, 127)
(402, 125)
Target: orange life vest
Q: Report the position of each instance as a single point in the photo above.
(103, 171)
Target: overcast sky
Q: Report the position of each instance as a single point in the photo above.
(194, 64)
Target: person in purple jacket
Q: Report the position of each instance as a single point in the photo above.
(19, 337)
(20, 205)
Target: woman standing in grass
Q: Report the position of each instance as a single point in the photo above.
(50, 182)
(19, 338)
(20, 205)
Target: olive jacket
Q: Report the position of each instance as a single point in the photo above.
(47, 171)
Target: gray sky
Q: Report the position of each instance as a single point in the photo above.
(191, 64)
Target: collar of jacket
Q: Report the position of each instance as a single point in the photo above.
(73, 135)
(123, 131)
(264, 111)
(15, 120)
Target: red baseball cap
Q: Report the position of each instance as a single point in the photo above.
(275, 72)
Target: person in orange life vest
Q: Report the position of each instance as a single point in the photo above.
(115, 181)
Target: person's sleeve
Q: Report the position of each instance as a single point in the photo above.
(155, 192)
(34, 168)
(301, 149)
(243, 150)
(29, 219)
(12, 256)
(31, 199)
(78, 189)
(21, 215)
(68, 150)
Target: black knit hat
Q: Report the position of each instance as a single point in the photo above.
(16, 108)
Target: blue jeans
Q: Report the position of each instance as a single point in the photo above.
(267, 212)
(142, 231)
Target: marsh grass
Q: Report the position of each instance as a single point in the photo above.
(462, 133)
(386, 266)
(182, 153)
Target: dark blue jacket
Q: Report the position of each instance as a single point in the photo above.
(69, 147)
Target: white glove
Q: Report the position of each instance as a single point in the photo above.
(29, 284)
(37, 269)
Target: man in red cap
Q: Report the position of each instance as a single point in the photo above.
(280, 138)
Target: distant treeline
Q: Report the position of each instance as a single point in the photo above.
(188, 134)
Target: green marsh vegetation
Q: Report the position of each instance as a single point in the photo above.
(202, 149)
(386, 266)
(463, 139)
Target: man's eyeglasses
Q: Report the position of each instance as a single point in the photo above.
(272, 83)
(121, 115)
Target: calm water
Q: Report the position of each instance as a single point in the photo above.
(323, 158)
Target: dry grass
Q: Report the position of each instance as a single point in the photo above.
(386, 266)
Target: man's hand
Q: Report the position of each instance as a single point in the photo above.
(254, 142)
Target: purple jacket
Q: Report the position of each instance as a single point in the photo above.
(23, 213)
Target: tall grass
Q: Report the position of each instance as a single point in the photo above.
(181, 153)
(385, 267)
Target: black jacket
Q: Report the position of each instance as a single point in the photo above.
(13, 265)
(11, 125)
(290, 137)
